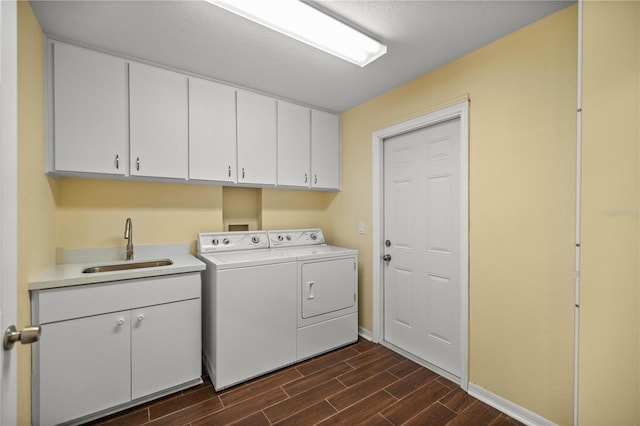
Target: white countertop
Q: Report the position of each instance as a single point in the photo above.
(72, 262)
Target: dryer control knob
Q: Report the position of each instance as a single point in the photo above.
(280, 238)
(225, 241)
(255, 239)
(313, 236)
(288, 237)
(215, 242)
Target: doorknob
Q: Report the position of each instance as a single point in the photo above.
(386, 257)
(25, 336)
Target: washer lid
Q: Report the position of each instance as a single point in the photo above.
(245, 258)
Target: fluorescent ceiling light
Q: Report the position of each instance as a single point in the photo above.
(304, 23)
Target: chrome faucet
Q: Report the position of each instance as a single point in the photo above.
(128, 235)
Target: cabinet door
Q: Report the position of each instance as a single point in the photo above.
(256, 139)
(165, 346)
(84, 367)
(90, 115)
(212, 131)
(294, 144)
(325, 150)
(158, 124)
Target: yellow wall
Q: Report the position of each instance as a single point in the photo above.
(91, 213)
(522, 92)
(610, 322)
(286, 209)
(36, 192)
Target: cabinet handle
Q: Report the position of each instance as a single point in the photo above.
(140, 317)
(120, 321)
(315, 178)
(243, 173)
(306, 178)
(117, 161)
(138, 163)
(229, 171)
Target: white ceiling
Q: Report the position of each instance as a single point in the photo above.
(200, 38)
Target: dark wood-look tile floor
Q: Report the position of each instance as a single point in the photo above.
(361, 384)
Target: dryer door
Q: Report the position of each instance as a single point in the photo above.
(328, 286)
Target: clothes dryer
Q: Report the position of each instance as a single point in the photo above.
(327, 290)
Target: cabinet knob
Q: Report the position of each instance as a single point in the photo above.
(121, 321)
(315, 178)
(138, 163)
(306, 178)
(243, 173)
(140, 317)
(229, 171)
(117, 161)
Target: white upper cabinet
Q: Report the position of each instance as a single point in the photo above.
(256, 139)
(294, 144)
(113, 117)
(212, 131)
(90, 121)
(325, 150)
(158, 122)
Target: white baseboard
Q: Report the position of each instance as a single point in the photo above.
(513, 410)
(365, 334)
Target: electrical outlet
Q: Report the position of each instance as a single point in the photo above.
(361, 228)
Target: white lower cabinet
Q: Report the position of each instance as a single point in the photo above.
(83, 367)
(86, 366)
(163, 352)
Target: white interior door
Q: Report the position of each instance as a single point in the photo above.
(422, 285)
(8, 205)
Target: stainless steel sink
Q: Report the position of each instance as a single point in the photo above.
(126, 266)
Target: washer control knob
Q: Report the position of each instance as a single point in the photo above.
(225, 241)
(215, 242)
(280, 238)
(313, 236)
(288, 237)
(255, 239)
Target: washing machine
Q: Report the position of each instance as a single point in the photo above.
(249, 312)
(326, 290)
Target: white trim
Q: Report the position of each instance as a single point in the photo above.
(576, 315)
(513, 410)
(365, 334)
(9, 203)
(460, 111)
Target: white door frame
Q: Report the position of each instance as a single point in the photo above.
(460, 111)
(8, 203)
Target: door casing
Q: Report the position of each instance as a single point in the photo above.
(461, 111)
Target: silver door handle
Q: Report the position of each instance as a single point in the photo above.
(386, 257)
(25, 336)
(117, 161)
(138, 163)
